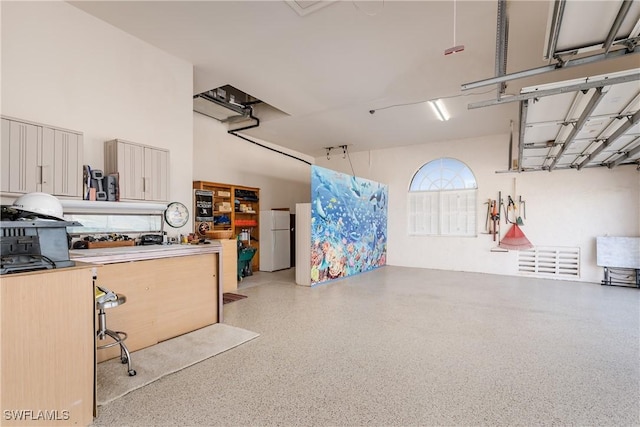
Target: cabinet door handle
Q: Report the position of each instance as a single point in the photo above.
(45, 174)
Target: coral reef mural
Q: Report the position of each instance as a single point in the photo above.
(348, 225)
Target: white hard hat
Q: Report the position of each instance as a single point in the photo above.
(42, 204)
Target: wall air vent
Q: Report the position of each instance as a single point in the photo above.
(558, 262)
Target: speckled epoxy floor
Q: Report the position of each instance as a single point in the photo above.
(405, 346)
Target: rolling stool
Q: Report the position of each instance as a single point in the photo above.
(117, 336)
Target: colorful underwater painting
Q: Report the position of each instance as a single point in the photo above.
(348, 225)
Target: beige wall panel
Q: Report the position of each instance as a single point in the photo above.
(47, 347)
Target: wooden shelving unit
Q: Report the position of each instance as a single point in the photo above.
(241, 206)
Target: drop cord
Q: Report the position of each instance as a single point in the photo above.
(350, 164)
(454, 23)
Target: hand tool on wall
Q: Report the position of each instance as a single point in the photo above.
(515, 239)
(495, 218)
(502, 208)
(487, 224)
(511, 206)
(519, 220)
(523, 207)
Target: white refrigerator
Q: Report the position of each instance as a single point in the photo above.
(274, 240)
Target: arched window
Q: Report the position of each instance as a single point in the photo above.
(442, 199)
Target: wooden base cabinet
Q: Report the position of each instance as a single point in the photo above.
(47, 356)
(165, 298)
(229, 265)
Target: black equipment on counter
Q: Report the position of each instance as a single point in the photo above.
(33, 244)
(151, 239)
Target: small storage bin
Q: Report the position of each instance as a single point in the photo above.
(245, 255)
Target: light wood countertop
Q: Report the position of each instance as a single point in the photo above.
(139, 253)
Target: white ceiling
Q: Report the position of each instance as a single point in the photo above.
(327, 67)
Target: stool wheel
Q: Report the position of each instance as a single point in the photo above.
(132, 373)
(124, 360)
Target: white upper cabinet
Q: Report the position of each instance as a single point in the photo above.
(65, 150)
(143, 171)
(37, 157)
(156, 172)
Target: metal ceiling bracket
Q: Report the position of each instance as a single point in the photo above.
(631, 121)
(623, 157)
(628, 43)
(556, 22)
(622, 13)
(524, 108)
(502, 42)
(577, 127)
(549, 68)
(555, 91)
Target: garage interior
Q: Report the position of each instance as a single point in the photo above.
(542, 99)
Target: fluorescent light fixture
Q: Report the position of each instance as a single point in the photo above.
(440, 110)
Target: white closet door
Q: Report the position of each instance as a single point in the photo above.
(4, 156)
(67, 163)
(24, 157)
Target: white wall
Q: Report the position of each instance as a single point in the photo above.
(63, 67)
(564, 208)
(221, 157)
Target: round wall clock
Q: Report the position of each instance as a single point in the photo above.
(176, 214)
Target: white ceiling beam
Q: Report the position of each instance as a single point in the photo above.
(549, 123)
(635, 32)
(631, 120)
(502, 41)
(524, 107)
(565, 89)
(549, 68)
(615, 27)
(625, 155)
(577, 127)
(563, 133)
(554, 33)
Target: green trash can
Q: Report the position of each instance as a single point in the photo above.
(245, 255)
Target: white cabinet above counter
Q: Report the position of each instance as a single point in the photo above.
(143, 171)
(39, 157)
